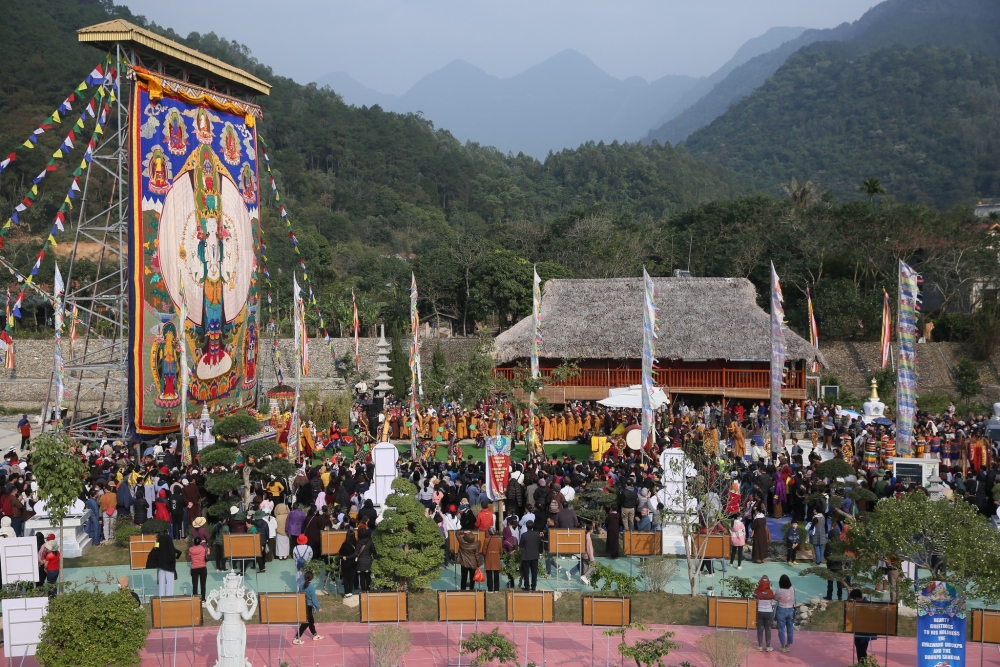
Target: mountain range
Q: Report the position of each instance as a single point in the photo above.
(910, 99)
(560, 103)
(974, 24)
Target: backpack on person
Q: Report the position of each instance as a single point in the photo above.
(300, 559)
(554, 505)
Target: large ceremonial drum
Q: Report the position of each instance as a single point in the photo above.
(871, 455)
(888, 452)
(936, 447)
(921, 447)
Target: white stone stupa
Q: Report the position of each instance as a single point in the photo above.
(382, 377)
(873, 407)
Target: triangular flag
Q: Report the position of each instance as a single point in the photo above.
(52, 240)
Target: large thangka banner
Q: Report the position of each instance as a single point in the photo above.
(193, 236)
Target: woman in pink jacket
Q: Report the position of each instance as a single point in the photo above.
(737, 539)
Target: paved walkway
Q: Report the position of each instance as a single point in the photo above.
(561, 644)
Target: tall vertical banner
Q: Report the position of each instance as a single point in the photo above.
(357, 329)
(185, 382)
(298, 309)
(650, 329)
(906, 370)
(940, 626)
(60, 366)
(536, 349)
(886, 337)
(414, 367)
(813, 330)
(194, 208)
(497, 466)
(7, 337)
(777, 359)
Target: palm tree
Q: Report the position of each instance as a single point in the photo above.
(802, 194)
(872, 187)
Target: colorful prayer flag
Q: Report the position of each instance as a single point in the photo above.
(906, 368)
(650, 329)
(777, 359)
(886, 329)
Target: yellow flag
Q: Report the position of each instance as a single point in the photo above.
(58, 153)
(28, 144)
(52, 240)
(55, 117)
(34, 189)
(29, 280)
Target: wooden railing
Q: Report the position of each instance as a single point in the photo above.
(673, 378)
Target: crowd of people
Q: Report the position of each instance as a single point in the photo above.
(543, 493)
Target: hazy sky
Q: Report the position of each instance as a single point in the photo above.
(389, 44)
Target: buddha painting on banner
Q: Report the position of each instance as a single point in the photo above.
(194, 240)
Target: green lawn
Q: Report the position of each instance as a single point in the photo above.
(581, 452)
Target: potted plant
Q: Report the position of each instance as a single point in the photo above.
(737, 611)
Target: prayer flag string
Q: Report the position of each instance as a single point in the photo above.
(96, 77)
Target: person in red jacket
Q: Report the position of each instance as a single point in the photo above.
(52, 568)
(484, 520)
(160, 507)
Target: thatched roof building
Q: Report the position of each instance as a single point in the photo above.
(700, 319)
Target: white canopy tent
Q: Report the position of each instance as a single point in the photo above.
(631, 397)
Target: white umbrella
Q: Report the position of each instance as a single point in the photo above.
(632, 398)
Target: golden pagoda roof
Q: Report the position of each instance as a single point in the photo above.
(118, 30)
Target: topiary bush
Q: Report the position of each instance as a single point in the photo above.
(123, 531)
(155, 527)
(408, 545)
(88, 629)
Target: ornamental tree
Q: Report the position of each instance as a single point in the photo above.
(92, 629)
(230, 465)
(408, 544)
(60, 472)
(948, 539)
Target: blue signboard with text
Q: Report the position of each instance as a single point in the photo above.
(940, 626)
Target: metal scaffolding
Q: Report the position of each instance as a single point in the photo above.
(97, 367)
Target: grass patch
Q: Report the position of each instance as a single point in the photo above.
(107, 554)
(581, 452)
(652, 608)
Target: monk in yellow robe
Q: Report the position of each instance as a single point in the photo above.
(739, 442)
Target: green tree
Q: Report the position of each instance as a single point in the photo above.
(92, 629)
(60, 471)
(966, 378)
(871, 187)
(645, 652)
(487, 648)
(236, 467)
(236, 427)
(948, 539)
(802, 195)
(408, 544)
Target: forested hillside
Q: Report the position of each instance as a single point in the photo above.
(367, 188)
(924, 121)
(971, 24)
